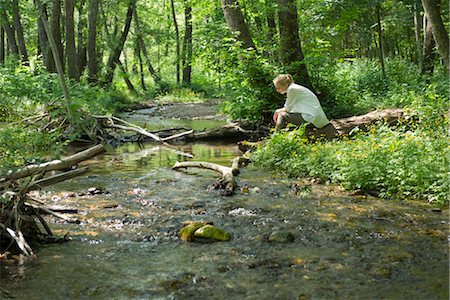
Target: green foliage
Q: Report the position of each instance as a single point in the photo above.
(410, 161)
(181, 95)
(357, 87)
(21, 145)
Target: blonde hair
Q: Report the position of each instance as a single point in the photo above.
(283, 79)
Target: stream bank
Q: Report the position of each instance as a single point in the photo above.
(291, 238)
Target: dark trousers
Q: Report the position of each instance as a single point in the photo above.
(284, 118)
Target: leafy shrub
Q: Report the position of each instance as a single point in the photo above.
(404, 162)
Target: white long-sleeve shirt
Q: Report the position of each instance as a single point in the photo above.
(302, 100)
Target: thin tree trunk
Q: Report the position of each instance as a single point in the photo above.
(55, 26)
(177, 40)
(44, 45)
(72, 59)
(2, 45)
(126, 78)
(236, 23)
(380, 41)
(91, 42)
(432, 9)
(428, 47)
(19, 30)
(114, 57)
(272, 26)
(56, 57)
(141, 65)
(417, 29)
(155, 75)
(291, 51)
(81, 46)
(9, 33)
(187, 45)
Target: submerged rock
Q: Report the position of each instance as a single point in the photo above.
(211, 232)
(187, 232)
(281, 236)
(201, 231)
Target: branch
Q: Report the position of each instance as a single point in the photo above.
(59, 164)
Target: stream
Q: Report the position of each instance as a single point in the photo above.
(291, 238)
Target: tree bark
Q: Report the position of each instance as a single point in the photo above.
(2, 45)
(55, 165)
(91, 42)
(432, 9)
(380, 40)
(55, 27)
(9, 33)
(428, 48)
(114, 57)
(126, 78)
(290, 47)
(81, 45)
(417, 29)
(227, 181)
(187, 45)
(236, 23)
(141, 65)
(57, 58)
(72, 58)
(177, 40)
(44, 46)
(19, 30)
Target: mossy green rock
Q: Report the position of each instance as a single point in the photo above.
(211, 232)
(187, 232)
(281, 236)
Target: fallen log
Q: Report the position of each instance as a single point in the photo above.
(227, 182)
(39, 184)
(54, 165)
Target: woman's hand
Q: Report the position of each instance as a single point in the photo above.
(277, 112)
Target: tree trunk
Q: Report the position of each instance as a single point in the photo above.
(81, 46)
(155, 75)
(187, 45)
(428, 47)
(236, 23)
(72, 58)
(44, 45)
(290, 48)
(2, 45)
(19, 30)
(417, 28)
(432, 9)
(177, 40)
(126, 78)
(380, 41)
(91, 42)
(57, 58)
(114, 57)
(55, 26)
(272, 26)
(9, 33)
(141, 65)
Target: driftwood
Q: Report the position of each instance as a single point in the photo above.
(18, 216)
(227, 182)
(59, 164)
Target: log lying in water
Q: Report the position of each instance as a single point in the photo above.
(54, 165)
(227, 182)
(18, 225)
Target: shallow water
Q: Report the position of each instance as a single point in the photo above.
(126, 247)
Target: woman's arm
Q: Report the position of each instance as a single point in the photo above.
(275, 115)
